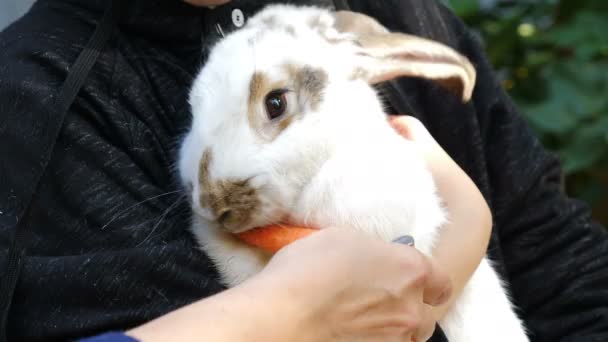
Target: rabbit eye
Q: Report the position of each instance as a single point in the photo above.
(276, 103)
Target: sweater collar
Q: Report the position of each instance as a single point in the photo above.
(175, 20)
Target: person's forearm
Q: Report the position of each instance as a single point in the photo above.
(464, 239)
(243, 313)
(309, 292)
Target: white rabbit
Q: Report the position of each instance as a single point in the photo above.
(288, 128)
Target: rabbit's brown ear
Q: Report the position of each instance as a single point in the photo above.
(386, 55)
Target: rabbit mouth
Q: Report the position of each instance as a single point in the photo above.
(247, 214)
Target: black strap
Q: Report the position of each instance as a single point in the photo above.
(68, 92)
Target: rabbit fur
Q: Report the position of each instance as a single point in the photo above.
(330, 158)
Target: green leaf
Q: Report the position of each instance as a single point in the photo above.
(558, 76)
(582, 154)
(587, 146)
(465, 8)
(550, 117)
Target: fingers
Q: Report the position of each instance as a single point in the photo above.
(426, 274)
(391, 285)
(400, 126)
(410, 128)
(427, 328)
(434, 284)
(438, 286)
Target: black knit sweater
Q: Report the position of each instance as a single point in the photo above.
(104, 238)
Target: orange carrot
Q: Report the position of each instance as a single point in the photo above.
(274, 237)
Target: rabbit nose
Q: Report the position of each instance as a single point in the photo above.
(233, 217)
(229, 221)
(224, 216)
(232, 203)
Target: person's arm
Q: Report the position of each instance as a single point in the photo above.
(468, 231)
(309, 292)
(469, 227)
(555, 257)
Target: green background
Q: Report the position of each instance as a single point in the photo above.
(553, 59)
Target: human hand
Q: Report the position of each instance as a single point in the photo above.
(335, 285)
(468, 231)
(345, 285)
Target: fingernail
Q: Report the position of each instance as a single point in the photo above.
(405, 240)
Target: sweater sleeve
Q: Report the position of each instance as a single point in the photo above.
(109, 337)
(555, 256)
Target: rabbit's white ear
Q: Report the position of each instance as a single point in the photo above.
(385, 55)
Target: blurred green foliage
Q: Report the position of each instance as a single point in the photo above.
(552, 56)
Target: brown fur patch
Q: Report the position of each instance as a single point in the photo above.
(308, 85)
(258, 88)
(203, 171)
(233, 202)
(395, 52)
(290, 30)
(321, 23)
(359, 74)
(270, 21)
(357, 23)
